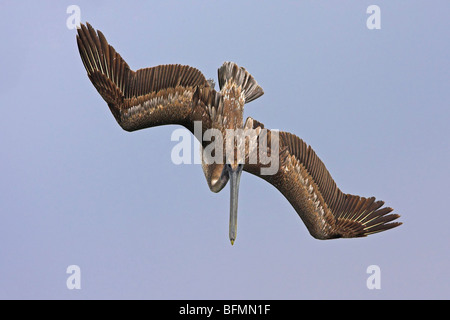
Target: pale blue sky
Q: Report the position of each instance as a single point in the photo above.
(76, 189)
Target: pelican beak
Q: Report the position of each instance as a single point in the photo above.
(235, 176)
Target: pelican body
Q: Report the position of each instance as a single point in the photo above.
(176, 94)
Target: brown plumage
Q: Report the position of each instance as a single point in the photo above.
(175, 94)
(141, 99)
(327, 212)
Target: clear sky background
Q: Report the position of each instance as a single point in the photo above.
(75, 189)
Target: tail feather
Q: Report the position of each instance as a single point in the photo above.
(230, 70)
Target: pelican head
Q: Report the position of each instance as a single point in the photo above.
(217, 176)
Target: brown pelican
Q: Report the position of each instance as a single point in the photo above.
(176, 94)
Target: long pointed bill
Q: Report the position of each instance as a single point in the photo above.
(235, 176)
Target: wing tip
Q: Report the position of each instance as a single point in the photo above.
(382, 221)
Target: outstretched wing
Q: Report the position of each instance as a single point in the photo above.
(141, 99)
(327, 212)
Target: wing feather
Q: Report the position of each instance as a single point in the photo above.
(156, 96)
(326, 211)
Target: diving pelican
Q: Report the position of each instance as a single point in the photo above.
(176, 94)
